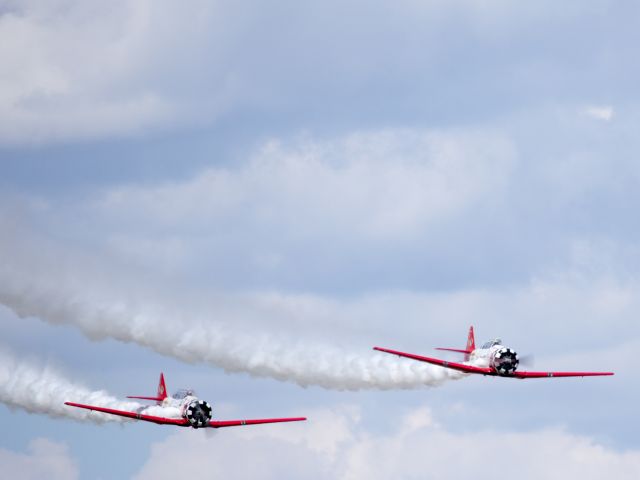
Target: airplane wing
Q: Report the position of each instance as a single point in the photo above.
(456, 366)
(181, 422)
(524, 375)
(489, 371)
(236, 423)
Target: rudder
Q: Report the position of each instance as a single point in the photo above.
(162, 389)
(471, 343)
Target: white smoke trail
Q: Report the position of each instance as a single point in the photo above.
(40, 389)
(34, 282)
(257, 354)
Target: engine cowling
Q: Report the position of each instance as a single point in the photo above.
(505, 361)
(198, 413)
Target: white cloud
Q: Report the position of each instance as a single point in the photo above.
(419, 447)
(604, 112)
(80, 70)
(377, 186)
(75, 70)
(44, 459)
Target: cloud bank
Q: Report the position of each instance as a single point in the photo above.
(339, 444)
(43, 459)
(78, 71)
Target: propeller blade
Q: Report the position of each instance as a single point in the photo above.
(527, 360)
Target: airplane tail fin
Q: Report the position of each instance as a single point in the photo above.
(162, 388)
(471, 340)
(162, 392)
(471, 346)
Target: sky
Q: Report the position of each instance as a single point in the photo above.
(249, 196)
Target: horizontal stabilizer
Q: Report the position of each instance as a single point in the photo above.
(155, 399)
(459, 350)
(161, 395)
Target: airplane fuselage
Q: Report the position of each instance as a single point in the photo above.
(196, 411)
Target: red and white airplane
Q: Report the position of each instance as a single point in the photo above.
(493, 358)
(183, 409)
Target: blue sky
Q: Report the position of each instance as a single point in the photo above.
(250, 196)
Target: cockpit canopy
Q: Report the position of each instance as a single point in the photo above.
(184, 392)
(491, 343)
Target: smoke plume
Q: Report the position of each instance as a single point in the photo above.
(57, 290)
(217, 344)
(40, 389)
